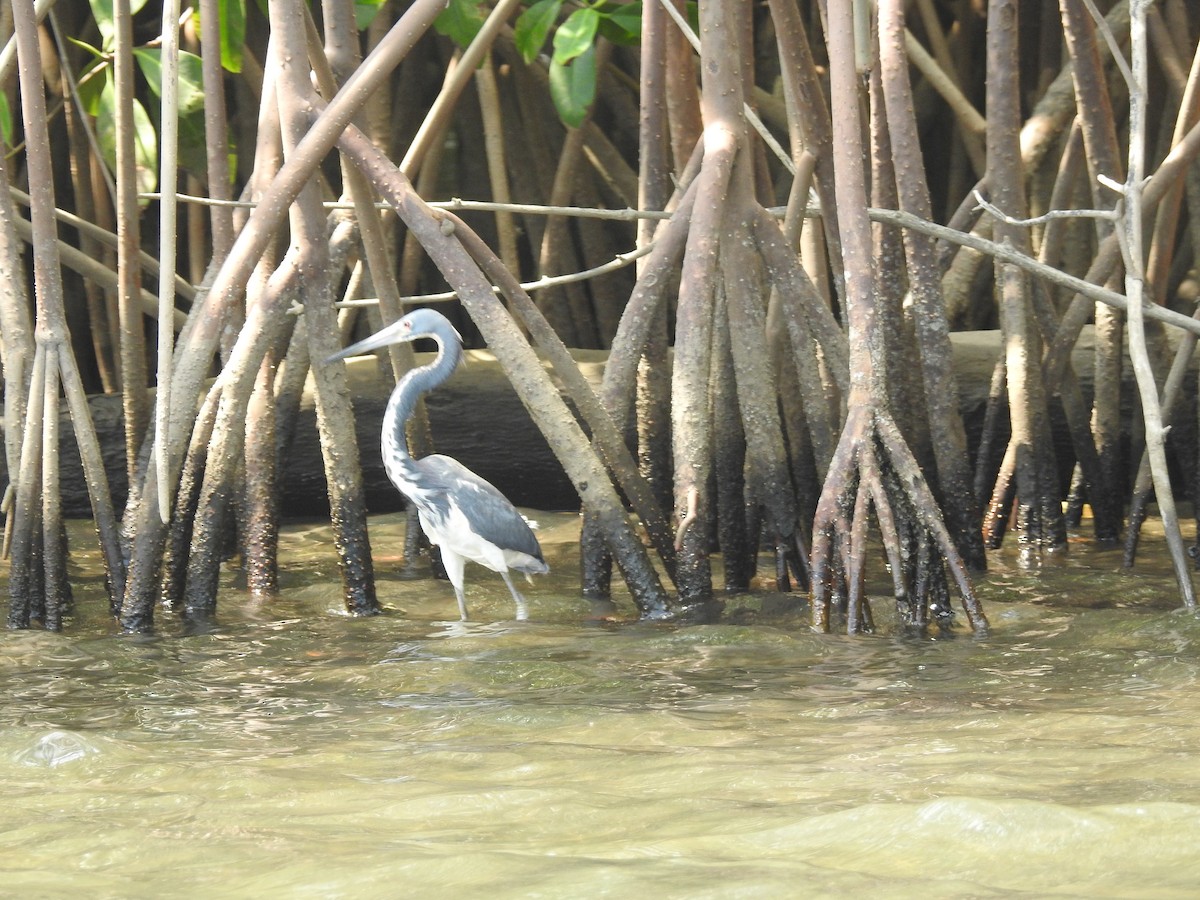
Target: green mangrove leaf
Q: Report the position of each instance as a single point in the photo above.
(576, 35)
(365, 12)
(145, 141)
(573, 87)
(102, 12)
(93, 79)
(621, 23)
(193, 150)
(233, 33)
(232, 30)
(191, 80)
(460, 21)
(533, 25)
(6, 129)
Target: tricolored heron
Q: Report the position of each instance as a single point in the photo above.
(460, 512)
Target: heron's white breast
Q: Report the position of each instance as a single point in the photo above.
(454, 532)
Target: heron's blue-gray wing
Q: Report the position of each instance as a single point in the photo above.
(490, 513)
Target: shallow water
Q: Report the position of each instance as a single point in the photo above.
(295, 752)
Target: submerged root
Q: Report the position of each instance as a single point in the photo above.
(873, 468)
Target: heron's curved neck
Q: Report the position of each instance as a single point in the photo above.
(412, 386)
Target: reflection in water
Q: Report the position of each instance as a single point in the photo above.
(296, 752)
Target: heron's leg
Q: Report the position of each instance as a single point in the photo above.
(454, 565)
(522, 613)
(462, 603)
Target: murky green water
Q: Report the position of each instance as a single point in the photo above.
(298, 753)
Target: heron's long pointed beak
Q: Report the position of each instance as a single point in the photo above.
(398, 332)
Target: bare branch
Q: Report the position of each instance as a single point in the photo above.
(996, 212)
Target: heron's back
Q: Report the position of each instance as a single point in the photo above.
(466, 514)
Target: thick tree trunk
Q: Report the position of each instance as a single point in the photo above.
(1040, 525)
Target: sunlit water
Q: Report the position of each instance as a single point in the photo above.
(296, 752)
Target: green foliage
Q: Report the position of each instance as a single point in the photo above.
(98, 98)
(573, 87)
(233, 33)
(365, 12)
(145, 141)
(191, 103)
(6, 128)
(232, 30)
(102, 11)
(533, 26)
(191, 81)
(193, 156)
(573, 62)
(92, 82)
(461, 21)
(621, 23)
(576, 35)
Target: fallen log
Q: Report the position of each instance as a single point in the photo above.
(477, 419)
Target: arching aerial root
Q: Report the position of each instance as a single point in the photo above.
(873, 467)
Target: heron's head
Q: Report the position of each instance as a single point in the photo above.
(419, 323)
(425, 323)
